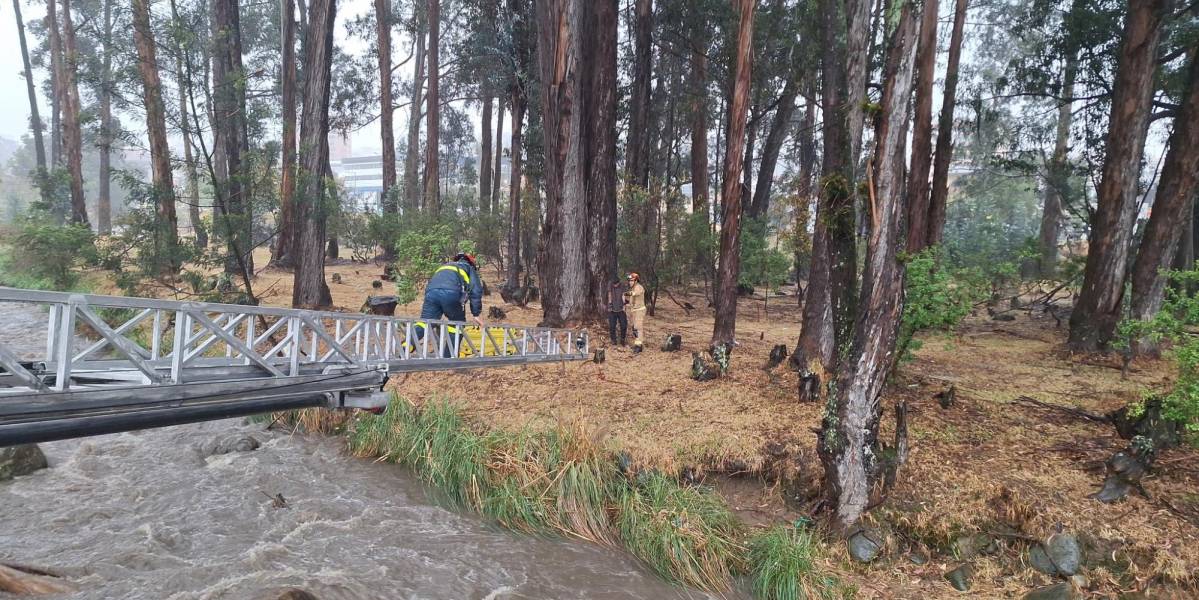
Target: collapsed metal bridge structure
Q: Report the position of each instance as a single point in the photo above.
(113, 364)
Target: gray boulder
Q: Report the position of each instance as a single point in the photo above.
(864, 546)
(1059, 591)
(959, 578)
(234, 442)
(20, 460)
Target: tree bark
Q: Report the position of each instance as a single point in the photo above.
(497, 164)
(35, 121)
(283, 252)
(577, 56)
(918, 199)
(780, 128)
(699, 133)
(485, 159)
(72, 135)
(829, 300)
(1175, 196)
(104, 141)
(1097, 311)
(724, 330)
(944, 154)
(637, 152)
(166, 224)
(412, 188)
(807, 164)
(433, 114)
(313, 200)
(849, 447)
(229, 104)
(856, 57)
(514, 264)
(386, 107)
(1057, 180)
(56, 95)
(182, 78)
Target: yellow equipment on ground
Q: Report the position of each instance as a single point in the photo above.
(496, 344)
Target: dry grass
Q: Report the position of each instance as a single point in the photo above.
(987, 463)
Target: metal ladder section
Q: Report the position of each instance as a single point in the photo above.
(114, 363)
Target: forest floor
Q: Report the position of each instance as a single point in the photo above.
(989, 465)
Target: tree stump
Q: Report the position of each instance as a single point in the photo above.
(702, 370)
(947, 397)
(600, 356)
(336, 278)
(1150, 433)
(376, 285)
(777, 355)
(674, 343)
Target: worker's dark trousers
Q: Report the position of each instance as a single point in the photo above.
(613, 319)
(439, 304)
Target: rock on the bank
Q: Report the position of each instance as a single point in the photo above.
(20, 460)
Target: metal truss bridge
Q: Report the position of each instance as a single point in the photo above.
(112, 364)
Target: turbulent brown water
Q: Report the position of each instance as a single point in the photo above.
(145, 515)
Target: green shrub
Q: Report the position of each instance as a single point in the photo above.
(934, 300)
(783, 567)
(47, 256)
(419, 251)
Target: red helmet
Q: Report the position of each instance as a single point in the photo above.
(634, 277)
(468, 257)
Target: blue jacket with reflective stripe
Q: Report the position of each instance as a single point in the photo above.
(463, 277)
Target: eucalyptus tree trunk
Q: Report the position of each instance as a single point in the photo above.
(849, 447)
(72, 135)
(1057, 174)
(724, 330)
(282, 253)
(499, 154)
(1093, 322)
(637, 154)
(485, 158)
(918, 199)
(35, 121)
(699, 133)
(412, 187)
(166, 224)
(433, 114)
(56, 94)
(104, 141)
(1171, 207)
(780, 127)
(939, 197)
(577, 58)
(313, 197)
(386, 107)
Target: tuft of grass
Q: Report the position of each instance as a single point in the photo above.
(687, 535)
(783, 566)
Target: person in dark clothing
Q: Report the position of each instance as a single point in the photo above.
(616, 314)
(452, 286)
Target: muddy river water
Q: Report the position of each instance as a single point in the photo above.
(145, 515)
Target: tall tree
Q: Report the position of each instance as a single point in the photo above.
(56, 94)
(637, 152)
(35, 121)
(518, 100)
(412, 188)
(780, 127)
(433, 113)
(313, 197)
(1097, 311)
(922, 130)
(104, 143)
(577, 57)
(229, 132)
(939, 195)
(699, 128)
(485, 158)
(386, 107)
(1057, 173)
(166, 224)
(496, 164)
(72, 134)
(283, 250)
(829, 300)
(1171, 206)
(849, 447)
(724, 330)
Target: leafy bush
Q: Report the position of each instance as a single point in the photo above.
(419, 251)
(47, 256)
(1174, 324)
(761, 265)
(934, 300)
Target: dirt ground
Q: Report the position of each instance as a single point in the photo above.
(990, 464)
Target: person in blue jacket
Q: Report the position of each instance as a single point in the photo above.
(452, 286)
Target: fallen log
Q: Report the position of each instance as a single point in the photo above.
(17, 579)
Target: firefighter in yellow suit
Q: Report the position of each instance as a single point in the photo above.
(635, 305)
